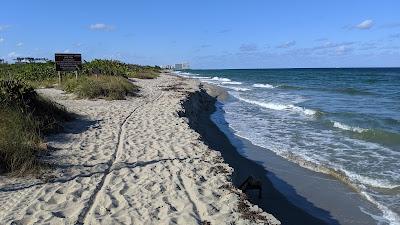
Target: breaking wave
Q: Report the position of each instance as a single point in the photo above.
(263, 86)
(347, 127)
(278, 106)
(232, 82)
(235, 88)
(222, 79)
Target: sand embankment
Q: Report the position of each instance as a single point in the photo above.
(135, 161)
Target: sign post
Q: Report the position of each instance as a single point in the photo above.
(68, 63)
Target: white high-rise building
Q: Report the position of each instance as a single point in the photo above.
(182, 66)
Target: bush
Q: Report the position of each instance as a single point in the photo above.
(117, 68)
(145, 75)
(14, 92)
(108, 87)
(24, 118)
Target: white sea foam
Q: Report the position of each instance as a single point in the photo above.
(391, 217)
(199, 77)
(347, 127)
(182, 74)
(236, 88)
(373, 182)
(263, 86)
(278, 106)
(232, 82)
(222, 79)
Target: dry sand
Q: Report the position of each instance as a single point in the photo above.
(129, 162)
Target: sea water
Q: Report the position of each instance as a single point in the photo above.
(343, 122)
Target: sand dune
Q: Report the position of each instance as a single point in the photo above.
(128, 162)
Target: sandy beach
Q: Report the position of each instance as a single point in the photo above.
(135, 161)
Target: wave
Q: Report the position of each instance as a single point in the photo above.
(379, 136)
(236, 88)
(341, 174)
(232, 82)
(373, 135)
(352, 91)
(198, 77)
(290, 87)
(347, 127)
(263, 86)
(222, 79)
(280, 107)
(355, 181)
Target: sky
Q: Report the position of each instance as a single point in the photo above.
(207, 34)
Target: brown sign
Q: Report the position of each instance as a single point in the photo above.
(68, 62)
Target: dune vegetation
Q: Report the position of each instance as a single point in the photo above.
(45, 75)
(24, 118)
(107, 87)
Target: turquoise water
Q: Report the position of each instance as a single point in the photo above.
(344, 122)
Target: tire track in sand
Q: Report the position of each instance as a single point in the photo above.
(85, 211)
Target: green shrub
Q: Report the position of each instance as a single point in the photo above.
(29, 71)
(24, 118)
(145, 75)
(16, 93)
(108, 87)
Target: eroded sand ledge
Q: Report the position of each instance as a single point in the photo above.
(135, 161)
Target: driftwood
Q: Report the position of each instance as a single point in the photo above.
(252, 183)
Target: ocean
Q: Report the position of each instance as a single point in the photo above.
(342, 122)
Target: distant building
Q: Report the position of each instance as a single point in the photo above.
(168, 67)
(182, 66)
(21, 60)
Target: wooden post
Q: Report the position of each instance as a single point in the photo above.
(76, 75)
(59, 77)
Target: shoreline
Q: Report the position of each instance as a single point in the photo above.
(133, 161)
(272, 200)
(270, 166)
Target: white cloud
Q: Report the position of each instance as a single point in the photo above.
(12, 55)
(343, 49)
(328, 45)
(1, 40)
(287, 44)
(101, 26)
(365, 25)
(19, 44)
(67, 51)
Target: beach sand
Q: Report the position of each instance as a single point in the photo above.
(135, 161)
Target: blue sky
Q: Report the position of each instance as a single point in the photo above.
(208, 33)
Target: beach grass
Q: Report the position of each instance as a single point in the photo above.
(107, 87)
(24, 118)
